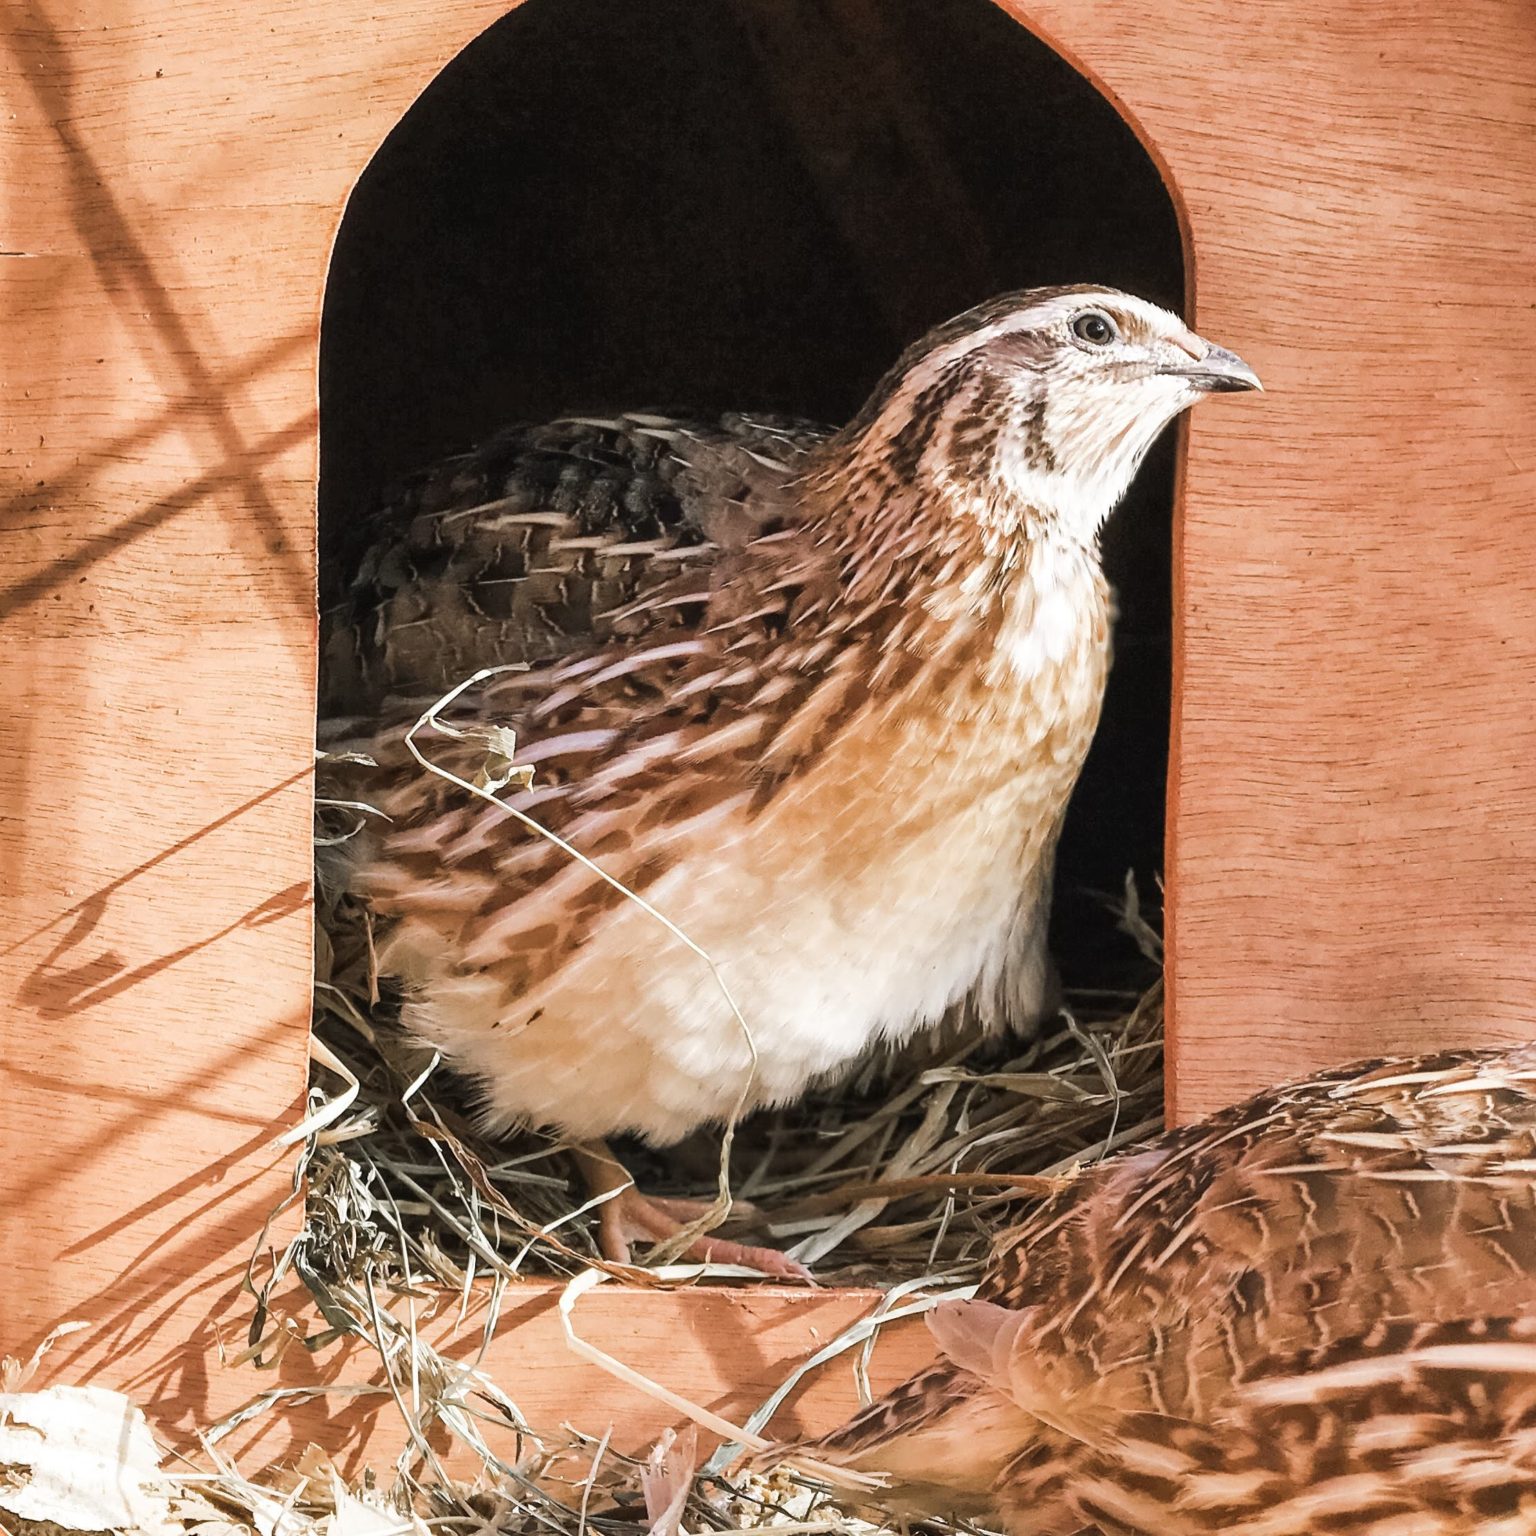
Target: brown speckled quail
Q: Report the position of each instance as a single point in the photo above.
(820, 696)
(1312, 1313)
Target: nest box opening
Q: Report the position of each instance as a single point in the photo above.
(714, 204)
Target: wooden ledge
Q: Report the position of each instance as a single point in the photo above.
(723, 1347)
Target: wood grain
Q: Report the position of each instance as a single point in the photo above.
(176, 173)
(1353, 837)
(1352, 857)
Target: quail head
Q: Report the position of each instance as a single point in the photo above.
(819, 697)
(1315, 1312)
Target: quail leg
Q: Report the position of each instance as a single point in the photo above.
(628, 1215)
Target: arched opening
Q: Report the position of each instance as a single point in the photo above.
(715, 204)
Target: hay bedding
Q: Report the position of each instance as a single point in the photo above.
(906, 1169)
(899, 1177)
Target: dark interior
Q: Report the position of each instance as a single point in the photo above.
(704, 204)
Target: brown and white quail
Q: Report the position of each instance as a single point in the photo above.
(819, 696)
(1315, 1312)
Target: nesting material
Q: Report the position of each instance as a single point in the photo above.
(905, 1170)
(899, 1177)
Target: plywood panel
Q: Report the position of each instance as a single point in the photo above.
(1354, 798)
(174, 175)
(1353, 816)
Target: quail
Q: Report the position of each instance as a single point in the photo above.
(818, 696)
(1313, 1312)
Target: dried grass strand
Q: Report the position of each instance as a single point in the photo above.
(721, 1206)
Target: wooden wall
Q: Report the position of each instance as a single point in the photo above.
(1352, 799)
(1354, 782)
(174, 172)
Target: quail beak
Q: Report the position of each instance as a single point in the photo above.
(1218, 372)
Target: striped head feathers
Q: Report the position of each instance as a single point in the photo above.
(1035, 406)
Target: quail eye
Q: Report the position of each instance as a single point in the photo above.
(1094, 327)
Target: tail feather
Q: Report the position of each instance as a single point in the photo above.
(914, 1405)
(942, 1438)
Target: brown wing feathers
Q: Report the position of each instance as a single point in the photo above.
(1264, 1317)
(535, 545)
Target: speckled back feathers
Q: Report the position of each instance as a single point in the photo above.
(1313, 1312)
